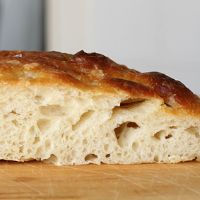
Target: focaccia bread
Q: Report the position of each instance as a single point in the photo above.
(85, 108)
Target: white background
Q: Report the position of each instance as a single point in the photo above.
(148, 35)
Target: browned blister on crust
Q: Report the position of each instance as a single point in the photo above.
(95, 72)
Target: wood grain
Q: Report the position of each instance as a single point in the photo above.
(35, 180)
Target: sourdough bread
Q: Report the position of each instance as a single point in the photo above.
(85, 108)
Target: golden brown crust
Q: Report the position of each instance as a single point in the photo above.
(95, 72)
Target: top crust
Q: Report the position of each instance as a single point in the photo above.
(95, 72)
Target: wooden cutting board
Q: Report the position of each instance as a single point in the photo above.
(35, 180)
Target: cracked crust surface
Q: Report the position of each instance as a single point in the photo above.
(95, 72)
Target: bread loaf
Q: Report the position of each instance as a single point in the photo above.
(85, 108)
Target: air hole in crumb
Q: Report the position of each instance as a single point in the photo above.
(132, 125)
(107, 155)
(120, 129)
(38, 98)
(130, 103)
(83, 118)
(159, 134)
(13, 112)
(15, 122)
(50, 110)
(90, 157)
(168, 136)
(193, 130)
(21, 149)
(36, 140)
(173, 127)
(134, 146)
(195, 158)
(52, 159)
(43, 124)
(156, 158)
